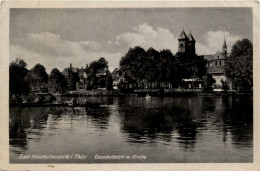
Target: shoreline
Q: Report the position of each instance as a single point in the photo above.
(152, 94)
(141, 95)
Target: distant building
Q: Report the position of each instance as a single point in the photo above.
(216, 62)
(186, 43)
(81, 84)
(65, 72)
(122, 77)
(116, 77)
(216, 67)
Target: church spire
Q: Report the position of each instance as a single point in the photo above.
(224, 47)
(191, 38)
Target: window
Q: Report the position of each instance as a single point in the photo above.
(181, 45)
(216, 62)
(220, 63)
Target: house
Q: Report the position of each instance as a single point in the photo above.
(116, 77)
(65, 72)
(123, 78)
(81, 84)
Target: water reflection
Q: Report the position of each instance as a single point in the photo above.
(24, 122)
(99, 117)
(150, 120)
(158, 121)
(17, 127)
(169, 124)
(238, 119)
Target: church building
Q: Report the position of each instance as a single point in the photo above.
(186, 43)
(216, 67)
(216, 62)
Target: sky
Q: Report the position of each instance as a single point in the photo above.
(57, 37)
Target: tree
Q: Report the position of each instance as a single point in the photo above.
(39, 76)
(92, 79)
(150, 65)
(109, 82)
(153, 54)
(73, 78)
(133, 62)
(19, 82)
(102, 63)
(93, 82)
(191, 65)
(239, 66)
(168, 67)
(57, 81)
(224, 85)
(208, 81)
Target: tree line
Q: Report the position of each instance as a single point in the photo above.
(23, 81)
(162, 66)
(137, 65)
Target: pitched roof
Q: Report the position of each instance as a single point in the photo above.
(183, 35)
(219, 55)
(191, 38)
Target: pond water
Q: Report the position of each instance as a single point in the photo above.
(156, 130)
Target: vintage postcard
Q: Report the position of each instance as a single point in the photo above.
(129, 85)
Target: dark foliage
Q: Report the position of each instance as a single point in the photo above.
(162, 66)
(73, 77)
(239, 66)
(93, 81)
(39, 76)
(57, 81)
(208, 81)
(19, 79)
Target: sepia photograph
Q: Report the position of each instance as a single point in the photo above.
(131, 85)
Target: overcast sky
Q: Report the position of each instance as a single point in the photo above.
(56, 37)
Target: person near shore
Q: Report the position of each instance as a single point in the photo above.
(73, 101)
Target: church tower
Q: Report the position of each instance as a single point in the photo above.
(183, 42)
(224, 47)
(186, 43)
(191, 44)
